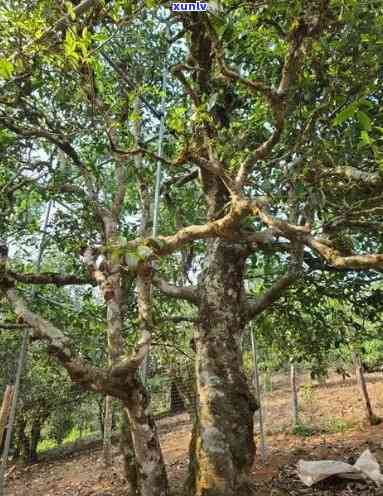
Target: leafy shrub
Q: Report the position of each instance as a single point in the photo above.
(304, 430)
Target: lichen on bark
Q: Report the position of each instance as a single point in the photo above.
(222, 449)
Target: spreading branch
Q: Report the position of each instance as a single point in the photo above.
(324, 247)
(357, 262)
(372, 179)
(225, 227)
(63, 144)
(12, 327)
(270, 296)
(187, 293)
(80, 371)
(49, 278)
(277, 98)
(252, 309)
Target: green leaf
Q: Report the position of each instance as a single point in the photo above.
(300, 190)
(345, 114)
(6, 69)
(70, 43)
(366, 138)
(364, 120)
(70, 46)
(70, 10)
(212, 101)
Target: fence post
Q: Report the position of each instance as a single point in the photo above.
(259, 398)
(294, 394)
(5, 410)
(107, 445)
(371, 417)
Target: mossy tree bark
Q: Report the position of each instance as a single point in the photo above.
(150, 466)
(121, 380)
(129, 459)
(222, 448)
(150, 477)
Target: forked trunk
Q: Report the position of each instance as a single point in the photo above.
(150, 466)
(222, 446)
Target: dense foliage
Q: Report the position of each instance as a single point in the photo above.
(270, 206)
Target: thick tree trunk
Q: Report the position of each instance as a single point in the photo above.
(222, 446)
(151, 471)
(127, 449)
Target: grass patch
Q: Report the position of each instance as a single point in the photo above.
(71, 437)
(75, 434)
(46, 444)
(334, 425)
(304, 430)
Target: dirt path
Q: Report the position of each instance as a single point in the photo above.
(83, 474)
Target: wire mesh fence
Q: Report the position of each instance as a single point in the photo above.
(329, 404)
(326, 405)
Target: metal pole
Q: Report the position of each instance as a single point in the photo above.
(156, 206)
(294, 394)
(259, 399)
(159, 153)
(20, 365)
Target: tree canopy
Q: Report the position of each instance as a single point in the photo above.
(271, 175)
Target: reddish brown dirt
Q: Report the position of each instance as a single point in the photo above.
(83, 474)
(322, 406)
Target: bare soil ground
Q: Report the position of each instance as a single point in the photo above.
(335, 408)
